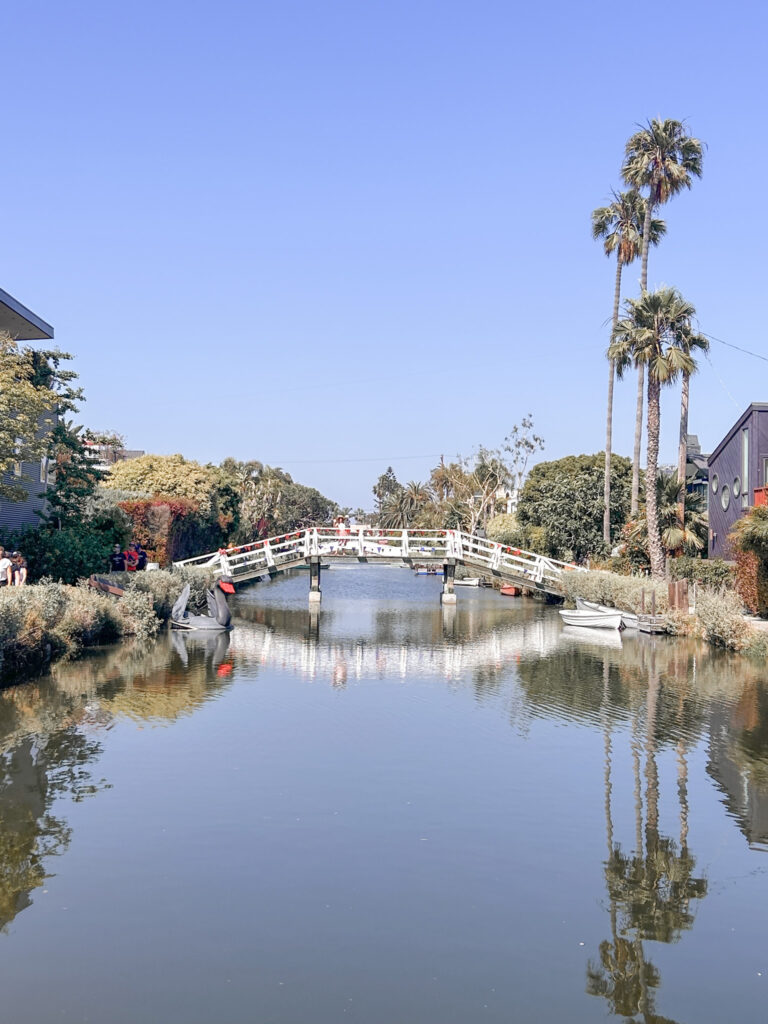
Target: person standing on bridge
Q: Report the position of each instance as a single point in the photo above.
(341, 531)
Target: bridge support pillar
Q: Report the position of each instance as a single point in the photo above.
(448, 595)
(315, 594)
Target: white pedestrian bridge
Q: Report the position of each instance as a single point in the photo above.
(363, 544)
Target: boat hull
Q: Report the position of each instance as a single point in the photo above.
(592, 619)
(628, 619)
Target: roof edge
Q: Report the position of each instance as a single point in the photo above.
(753, 407)
(13, 304)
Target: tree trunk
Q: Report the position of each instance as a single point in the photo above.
(646, 241)
(635, 502)
(639, 414)
(682, 450)
(609, 413)
(655, 550)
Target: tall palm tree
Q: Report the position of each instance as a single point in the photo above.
(690, 342)
(649, 337)
(662, 158)
(620, 225)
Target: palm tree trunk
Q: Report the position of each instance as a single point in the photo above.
(609, 413)
(655, 550)
(635, 500)
(646, 242)
(682, 450)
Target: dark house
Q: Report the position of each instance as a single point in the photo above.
(738, 472)
(23, 325)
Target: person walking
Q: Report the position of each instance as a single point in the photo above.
(19, 569)
(117, 559)
(6, 569)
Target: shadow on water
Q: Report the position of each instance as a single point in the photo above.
(648, 700)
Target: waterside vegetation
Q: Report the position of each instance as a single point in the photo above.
(55, 620)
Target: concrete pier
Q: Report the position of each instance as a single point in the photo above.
(448, 595)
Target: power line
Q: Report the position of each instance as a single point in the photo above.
(387, 458)
(738, 348)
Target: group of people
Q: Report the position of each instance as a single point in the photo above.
(13, 568)
(132, 559)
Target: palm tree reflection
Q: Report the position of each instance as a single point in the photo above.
(651, 889)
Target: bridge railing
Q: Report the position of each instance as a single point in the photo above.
(270, 555)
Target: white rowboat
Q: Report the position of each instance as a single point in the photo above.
(609, 619)
(473, 582)
(628, 619)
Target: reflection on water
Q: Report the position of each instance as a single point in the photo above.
(664, 718)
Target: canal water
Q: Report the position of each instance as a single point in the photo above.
(386, 813)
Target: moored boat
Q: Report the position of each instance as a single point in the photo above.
(628, 619)
(510, 591)
(609, 619)
(472, 582)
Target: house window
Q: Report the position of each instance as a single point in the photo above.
(17, 469)
(43, 470)
(736, 487)
(745, 467)
(725, 497)
(716, 482)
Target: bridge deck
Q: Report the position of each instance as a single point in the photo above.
(366, 545)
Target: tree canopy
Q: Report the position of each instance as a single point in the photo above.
(561, 504)
(33, 390)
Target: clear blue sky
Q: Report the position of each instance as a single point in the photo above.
(304, 232)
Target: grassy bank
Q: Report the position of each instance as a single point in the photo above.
(50, 620)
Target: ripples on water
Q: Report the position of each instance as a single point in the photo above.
(386, 811)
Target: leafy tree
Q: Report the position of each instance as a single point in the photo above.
(519, 445)
(385, 488)
(29, 401)
(561, 504)
(650, 335)
(299, 507)
(176, 477)
(271, 502)
(620, 226)
(662, 158)
(75, 477)
(505, 529)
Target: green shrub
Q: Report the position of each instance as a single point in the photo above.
(721, 619)
(709, 572)
(608, 588)
(505, 529)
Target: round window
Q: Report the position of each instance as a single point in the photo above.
(725, 497)
(736, 487)
(715, 483)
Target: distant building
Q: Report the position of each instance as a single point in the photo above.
(696, 468)
(738, 475)
(23, 325)
(106, 455)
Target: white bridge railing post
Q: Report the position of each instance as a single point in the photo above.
(404, 544)
(268, 553)
(496, 557)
